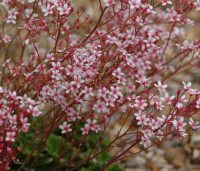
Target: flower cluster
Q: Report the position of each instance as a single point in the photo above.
(154, 126)
(89, 73)
(15, 112)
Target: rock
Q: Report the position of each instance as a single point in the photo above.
(153, 167)
(135, 149)
(159, 160)
(187, 148)
(195, 140)
(130, 169)
(167, 168)
(136, 161)
(170, 154)
(195, 156)
(176, 156)
(178, 162)
(150, 155)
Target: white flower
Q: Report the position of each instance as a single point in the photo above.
(12, 16)
(187, 86)
(179, 124)
(64, 10)
(65, 127)
(198, 104)
(141, 118)
(193, 124)
(87, 92)
(109, 2)
(161, 87)
(165, 2)
(134, 3)
(47, 10)
(10, 136)
(100, 106)
(145, 141)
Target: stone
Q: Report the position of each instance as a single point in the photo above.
(136, 161)
(195, 156)
(176, 156)
(195, 140)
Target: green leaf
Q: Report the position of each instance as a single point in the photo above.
(104, 157)
(44, 161)
(53, 145)
(84, 169)
(114, 167)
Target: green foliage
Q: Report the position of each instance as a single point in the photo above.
(53, 145)
(58, 152)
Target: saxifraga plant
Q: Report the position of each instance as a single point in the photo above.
(76, 75)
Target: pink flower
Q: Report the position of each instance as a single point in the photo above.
(145, 141)
(57, 66)
(100, 106)
(34, 111)
(13, 119)
(187, 86)
(103, 92)
(148, 133)
(77, 81)
(115, 92)
(161, 87)
(140, 103)
(10, 136)
(73, 115)
(179, 124)
(90, 125)
(134, 3)
(87, 92)
(179, 106)
(109, 2)
(47, 10)
(165, 2)
(197, 5)
(110, 101)
(12, 16)
(144, 81)
(65, 127)
(193, 124)
(6, 38)
(85, 130)
(118, 73)
(198, 104)
(167, 99)
(93, 126)
(64, 9)
(154, 124)
(25, 124)
(68, 87)
(141, 118)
